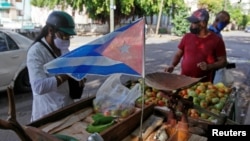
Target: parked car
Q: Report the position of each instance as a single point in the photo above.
(13, 53)
(247, 29)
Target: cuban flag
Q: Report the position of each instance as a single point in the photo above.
(121, 51)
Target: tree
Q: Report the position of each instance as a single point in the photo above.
(180, 23)
(236, 14)
(38, 3)
(99, 10)
(245, 21)
(147, 8)
(213, 6)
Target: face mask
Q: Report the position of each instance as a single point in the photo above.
(212, 28)
(221, 25)
(194, 30)
(63, 45)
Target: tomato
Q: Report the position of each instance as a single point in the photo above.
(161, 103)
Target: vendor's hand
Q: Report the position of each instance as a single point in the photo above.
(64, 76)
(203, 66)
(82, 82)
(61, 78)
(169, 69)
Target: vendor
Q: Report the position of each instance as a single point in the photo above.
(201, 51)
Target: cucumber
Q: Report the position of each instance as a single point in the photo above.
(101, 119)
(98, 128)
(65, 137)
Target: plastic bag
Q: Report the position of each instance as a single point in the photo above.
(115, 99)
(225, 76)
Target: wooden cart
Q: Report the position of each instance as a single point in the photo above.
(115, 133)
(124, 128)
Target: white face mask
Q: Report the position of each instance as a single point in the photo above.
(63, 45)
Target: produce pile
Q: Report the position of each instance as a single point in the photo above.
(115, 99)
(151, 95)
(108, 108)
(209, 96)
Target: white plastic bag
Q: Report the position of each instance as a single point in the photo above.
(115, 99)
(225, 76)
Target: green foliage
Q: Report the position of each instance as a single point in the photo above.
(213, 6)
(149, 7)
(76, 4)
(126, 6)
(180, 23)
(235, 12)
(245, 20)
(100, 9)
(38, 3)
(236, 15)
(234, 9)
(50, 3)
(171, 7)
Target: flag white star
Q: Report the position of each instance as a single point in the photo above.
(124, 48)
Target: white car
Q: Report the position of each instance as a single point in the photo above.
(13, 54)
(247, 29)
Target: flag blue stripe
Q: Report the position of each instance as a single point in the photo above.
(103, 70)
(86, 50)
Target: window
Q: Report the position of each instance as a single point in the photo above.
(12, 45)
(3, 46)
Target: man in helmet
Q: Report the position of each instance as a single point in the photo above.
(50, 92)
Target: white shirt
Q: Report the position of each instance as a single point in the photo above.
(47, 97)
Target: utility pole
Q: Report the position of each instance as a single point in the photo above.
(159, 18)
(23, 13)
(112, 8)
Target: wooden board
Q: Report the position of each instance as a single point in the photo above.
(64, 112)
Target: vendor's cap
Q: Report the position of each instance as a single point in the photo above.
(199, 15)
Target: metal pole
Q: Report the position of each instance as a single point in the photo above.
(159, 18)
(23, 12)
(112, 7)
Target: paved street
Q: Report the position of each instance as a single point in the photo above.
(158, 53)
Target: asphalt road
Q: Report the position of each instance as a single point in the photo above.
(158, 53)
